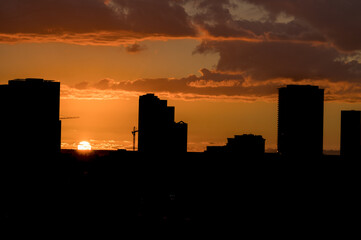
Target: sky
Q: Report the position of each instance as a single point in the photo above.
(219, 62)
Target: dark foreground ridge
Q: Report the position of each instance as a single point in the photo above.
(119, 188)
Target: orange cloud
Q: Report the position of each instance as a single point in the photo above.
(85, 93)
(211, 85)
(95, 38)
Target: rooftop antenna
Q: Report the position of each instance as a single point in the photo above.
(134, 132)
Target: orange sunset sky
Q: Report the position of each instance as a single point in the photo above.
(219, 62)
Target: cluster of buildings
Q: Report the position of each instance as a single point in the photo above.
(30, 117)
(300, 124)
(300, 128)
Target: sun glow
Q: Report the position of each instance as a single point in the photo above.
(84, 145)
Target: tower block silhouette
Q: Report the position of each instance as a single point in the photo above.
(157, 131)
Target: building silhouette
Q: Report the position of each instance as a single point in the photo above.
(300, 121)
(246, 145)
(30, 117)
(157, 130)
(350, 134)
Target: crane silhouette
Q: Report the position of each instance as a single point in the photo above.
(134, 132)
(62, 117)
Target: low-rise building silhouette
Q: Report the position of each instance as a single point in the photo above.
(157, 130)
(30, 116)
(300, 121)
(350, 134)
(246, 145)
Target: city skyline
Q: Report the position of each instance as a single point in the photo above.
(31, 81)
(220, 62)
(180, 114)
(31, 109)
(162, 183)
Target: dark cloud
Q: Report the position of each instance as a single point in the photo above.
(337, 20)
(269, 60)
(155, 16)
(135, 48)
(334, 22)
(105, 21)
(124, 18)
(216, 18)
(293, 31)
(51, 16)
(319, 41)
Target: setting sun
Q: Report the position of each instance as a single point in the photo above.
(84, 145)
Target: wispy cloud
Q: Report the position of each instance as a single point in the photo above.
(85, 93)
(97, 144)
(210, 85)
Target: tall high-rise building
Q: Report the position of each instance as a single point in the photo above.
(157, 131)
(350, 134)
(29, 120)
(300, 121)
